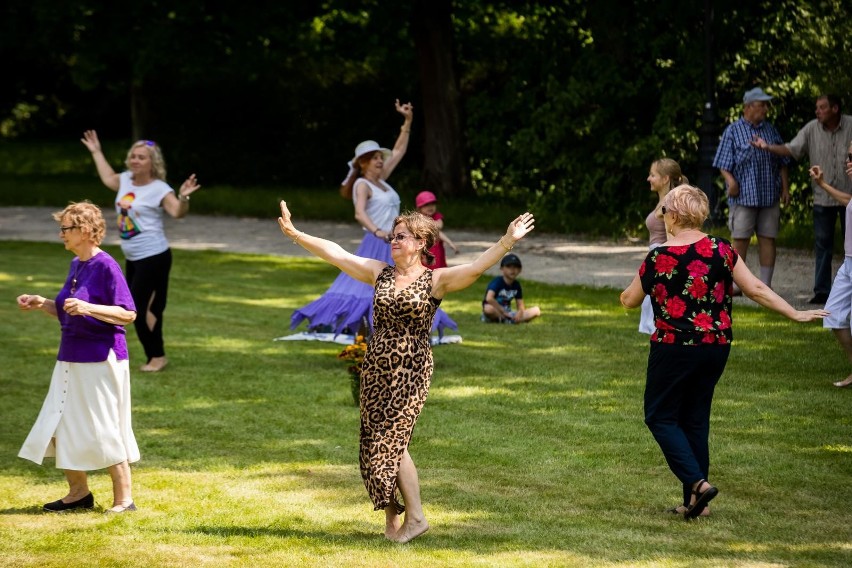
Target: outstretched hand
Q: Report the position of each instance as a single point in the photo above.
(522, 225)
(811, 315)
(406, 110)
(191, 185)
(285, 221)
(90, 141)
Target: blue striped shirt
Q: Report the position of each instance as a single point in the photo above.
(757, 171)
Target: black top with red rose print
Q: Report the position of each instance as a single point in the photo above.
(691, 288)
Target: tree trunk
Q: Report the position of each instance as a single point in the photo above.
(445, 160)
(138, 111)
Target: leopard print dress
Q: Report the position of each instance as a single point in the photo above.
(395, 378)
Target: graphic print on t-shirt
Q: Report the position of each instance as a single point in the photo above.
(505, 297)
(126, 225)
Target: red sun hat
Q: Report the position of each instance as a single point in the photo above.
(424, 198)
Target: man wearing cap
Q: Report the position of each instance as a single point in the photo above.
(825, 140)
(497, 304)
(756, 181)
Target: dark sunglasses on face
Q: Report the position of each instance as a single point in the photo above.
(64, 230)
(399, 238)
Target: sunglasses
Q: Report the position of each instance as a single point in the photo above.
(399, 238)
(64, 230)
(147, 142)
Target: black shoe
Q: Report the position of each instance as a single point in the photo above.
(87, 502)
(819, 298)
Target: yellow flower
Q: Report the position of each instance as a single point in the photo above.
(354, 353)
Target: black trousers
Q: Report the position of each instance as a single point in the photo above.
(678, 395)
(148, 279)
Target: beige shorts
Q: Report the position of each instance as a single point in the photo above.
(746, 221)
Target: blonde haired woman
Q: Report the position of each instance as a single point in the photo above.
(663, 175)
(85, 420)
(142, 195)
(690, 281)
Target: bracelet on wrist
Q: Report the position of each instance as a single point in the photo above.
(376, 232)
(183, 198)
(298, 236)
(502, 244)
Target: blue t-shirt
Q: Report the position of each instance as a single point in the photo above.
(504, 293)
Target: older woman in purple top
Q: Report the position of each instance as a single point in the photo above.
(85, 419)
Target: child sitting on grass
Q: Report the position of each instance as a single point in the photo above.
(497, 305)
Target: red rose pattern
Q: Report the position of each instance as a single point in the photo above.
(698, 289)
(675, 307)
(665, 264)
(688, 310)
(719, 292)
(703, 322)
(704, 247)
(698, 268)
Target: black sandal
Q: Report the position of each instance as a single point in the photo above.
(701, 499)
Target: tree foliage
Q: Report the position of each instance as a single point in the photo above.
(560, 105)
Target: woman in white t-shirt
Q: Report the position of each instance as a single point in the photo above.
(142, 195)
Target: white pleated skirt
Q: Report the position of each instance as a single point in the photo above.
(85, 419)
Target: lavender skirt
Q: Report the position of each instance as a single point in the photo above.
(348, 302)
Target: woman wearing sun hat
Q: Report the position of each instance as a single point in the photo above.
(347, 302)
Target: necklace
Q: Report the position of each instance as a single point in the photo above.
(76, 272)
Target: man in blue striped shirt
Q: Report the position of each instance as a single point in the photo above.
(825, 140)
(756, 181)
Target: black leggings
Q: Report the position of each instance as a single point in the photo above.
(149, 285)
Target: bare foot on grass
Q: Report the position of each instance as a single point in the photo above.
(392, 526)
(845, 382)
(154, 365)
(410, 530)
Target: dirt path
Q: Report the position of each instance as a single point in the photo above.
(549, 258)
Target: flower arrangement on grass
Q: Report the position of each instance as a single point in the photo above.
(355, 355)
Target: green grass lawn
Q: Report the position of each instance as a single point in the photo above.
(531, 448)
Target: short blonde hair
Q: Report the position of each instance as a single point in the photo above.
(158, 163)
(86, 216)
(689, 204)
(421, 227)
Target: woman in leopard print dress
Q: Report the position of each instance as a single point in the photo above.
(397, 367)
